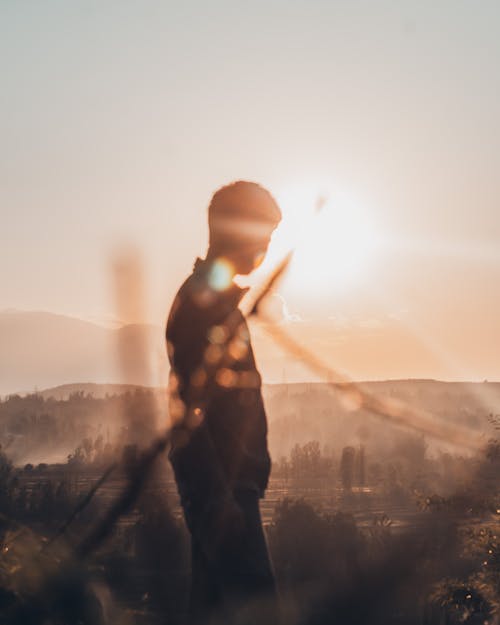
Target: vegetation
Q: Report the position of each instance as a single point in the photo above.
(343, 561)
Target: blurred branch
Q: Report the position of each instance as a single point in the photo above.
(82, 504)
(137, 478)
(395, 411)
(268, 284)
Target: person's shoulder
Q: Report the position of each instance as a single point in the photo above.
(198, 306)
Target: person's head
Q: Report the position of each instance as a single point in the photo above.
(241, 220)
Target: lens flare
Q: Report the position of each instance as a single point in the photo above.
(221, 274)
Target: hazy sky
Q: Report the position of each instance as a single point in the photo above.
(119, 119)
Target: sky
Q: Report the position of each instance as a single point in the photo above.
(118, 120)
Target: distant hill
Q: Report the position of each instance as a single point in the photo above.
(53, 422)
(299, 413)
(445, 398)
(450, 400)
(43, 350)
(98, 391)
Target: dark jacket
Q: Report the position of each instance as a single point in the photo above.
(215, 376)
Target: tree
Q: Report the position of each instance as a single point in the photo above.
(347, 468)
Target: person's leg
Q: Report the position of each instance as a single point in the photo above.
(245, 569)
(205, 597)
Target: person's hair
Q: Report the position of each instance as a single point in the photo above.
(235, 208)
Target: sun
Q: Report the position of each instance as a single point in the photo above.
(333, 236)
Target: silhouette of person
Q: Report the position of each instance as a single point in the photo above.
(219, 447)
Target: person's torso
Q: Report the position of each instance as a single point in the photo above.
(211, 356)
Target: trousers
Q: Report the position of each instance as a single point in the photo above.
(234, 583)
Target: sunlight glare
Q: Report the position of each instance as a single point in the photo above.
(333, 237)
